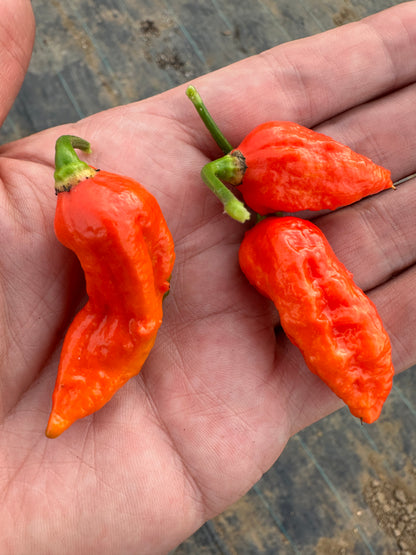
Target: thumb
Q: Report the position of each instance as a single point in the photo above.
(17, 32)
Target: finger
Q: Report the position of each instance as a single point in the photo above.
(383, 130)
(16, 42)
(313, 79)
(375, 238)
(396, 303)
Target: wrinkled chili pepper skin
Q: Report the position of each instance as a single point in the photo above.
(322, 311)
(291, 168)
(118, 232)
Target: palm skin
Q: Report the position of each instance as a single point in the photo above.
(223, 389)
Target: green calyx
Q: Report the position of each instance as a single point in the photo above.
(229, 168)
(69, 169)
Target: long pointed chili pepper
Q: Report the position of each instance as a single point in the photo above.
(323, 312)
(118, 232)
(281, 166)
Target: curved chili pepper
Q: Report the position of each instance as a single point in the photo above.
(322, 311)
(283, 166)
(117, 230)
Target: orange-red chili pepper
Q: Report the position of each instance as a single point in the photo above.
(117, 230)
(322, 311)
(282, 166)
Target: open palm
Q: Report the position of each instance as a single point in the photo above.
(223, 389)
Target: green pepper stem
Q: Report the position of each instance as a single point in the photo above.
(69, 169)
(209, 122)
(225, 168)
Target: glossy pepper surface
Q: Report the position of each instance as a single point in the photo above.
(281, 166)
(117, 230)
(322, 311)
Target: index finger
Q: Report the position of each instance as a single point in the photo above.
(16, 42)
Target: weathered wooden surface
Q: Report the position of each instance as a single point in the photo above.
(339, 487)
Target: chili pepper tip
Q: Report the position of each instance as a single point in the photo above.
(56, 426)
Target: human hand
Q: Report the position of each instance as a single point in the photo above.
(222, 390)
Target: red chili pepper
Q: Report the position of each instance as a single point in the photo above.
(283, 166)
(322, 311)
(118, 232)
